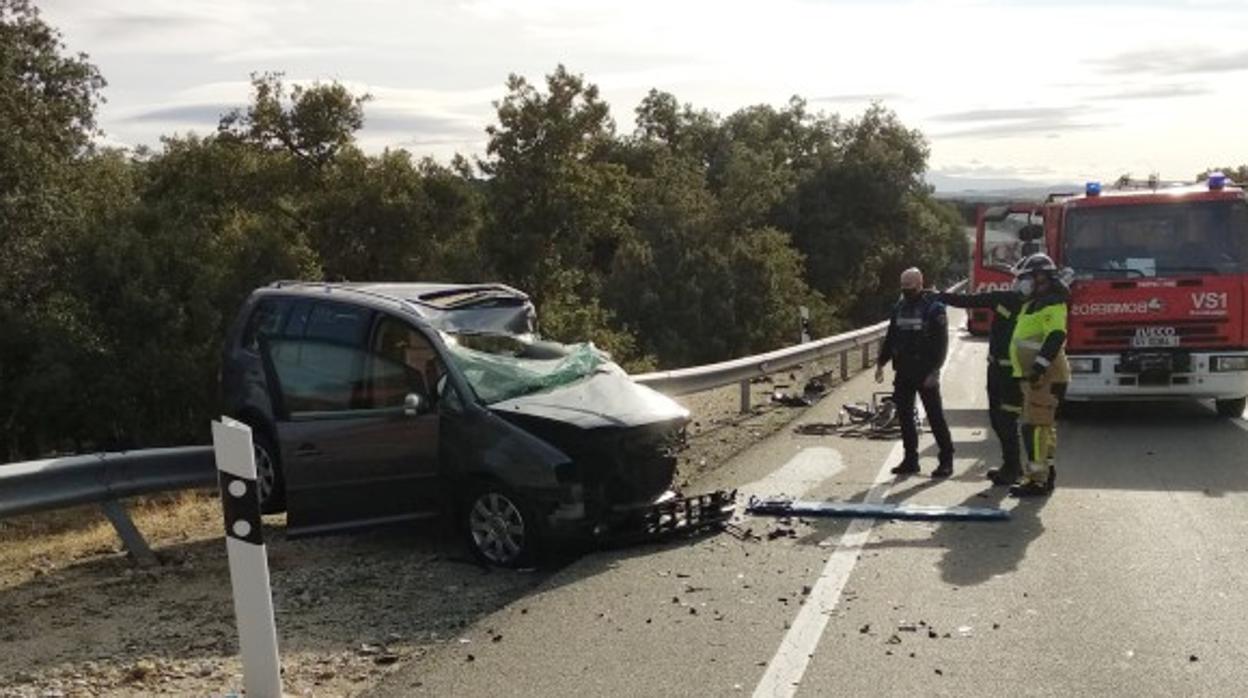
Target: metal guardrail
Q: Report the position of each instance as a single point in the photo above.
(107, 478)
(684, 381)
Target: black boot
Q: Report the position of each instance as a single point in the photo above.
(1031, 488)
(1005, 475)
(908, 466)
(945, 469)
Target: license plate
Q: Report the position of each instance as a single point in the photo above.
(1150, 341)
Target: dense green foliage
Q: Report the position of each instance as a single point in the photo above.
(691, 237)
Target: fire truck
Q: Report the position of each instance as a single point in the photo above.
(1159, 276)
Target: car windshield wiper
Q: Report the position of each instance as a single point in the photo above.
(1121, 270)
(1194, 269)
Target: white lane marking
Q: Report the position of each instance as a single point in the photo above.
(786, 669)
(800, 475)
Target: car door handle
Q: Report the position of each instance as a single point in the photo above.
(307, 451)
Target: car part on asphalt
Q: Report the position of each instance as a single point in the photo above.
(670, 516)
(877, 420)
(783, 506)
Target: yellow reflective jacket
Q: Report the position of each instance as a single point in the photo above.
(1040, 339)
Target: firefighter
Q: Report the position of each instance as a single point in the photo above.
(1005, 398)
(916, 343)
(1038, 360)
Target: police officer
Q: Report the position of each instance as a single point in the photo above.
(1005, 398)
(1038, 361)
(916, 344)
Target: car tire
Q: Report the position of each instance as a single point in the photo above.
(500, 527)
(1231, 408)
(270, 485)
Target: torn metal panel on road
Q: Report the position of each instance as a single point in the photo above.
(781, 506)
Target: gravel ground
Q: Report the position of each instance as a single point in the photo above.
(78, 619)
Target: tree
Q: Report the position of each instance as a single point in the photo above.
(557, 207)
(47, 120)
(312, 123)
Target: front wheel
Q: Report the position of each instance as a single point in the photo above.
(500, 526)
(1231, 408)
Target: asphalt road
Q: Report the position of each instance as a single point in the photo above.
(1127, 581)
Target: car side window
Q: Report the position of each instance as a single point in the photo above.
(265, 322)
(402, 362)
(324, 370)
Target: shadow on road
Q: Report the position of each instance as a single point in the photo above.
(1168, 446)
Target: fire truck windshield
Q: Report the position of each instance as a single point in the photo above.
(1205, 237)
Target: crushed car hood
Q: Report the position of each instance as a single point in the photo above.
(608, 398)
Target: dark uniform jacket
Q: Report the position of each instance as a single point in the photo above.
(1005, 306)
(917, 339)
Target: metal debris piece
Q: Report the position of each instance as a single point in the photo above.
(877, 420)
(783, 506)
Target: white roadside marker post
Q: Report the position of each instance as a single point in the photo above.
(249, 565)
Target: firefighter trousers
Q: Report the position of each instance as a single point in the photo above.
(1005, 404)
(1039, 428)
(904, 390)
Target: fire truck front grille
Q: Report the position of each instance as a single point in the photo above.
(1191, 333)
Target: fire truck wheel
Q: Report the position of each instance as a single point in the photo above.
(1231, 408)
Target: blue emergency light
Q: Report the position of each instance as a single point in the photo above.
(1093, 189)
(1217, 181)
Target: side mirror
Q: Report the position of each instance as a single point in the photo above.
(1031, 232)
(413, 405)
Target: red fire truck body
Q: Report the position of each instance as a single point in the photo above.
(1159, 277)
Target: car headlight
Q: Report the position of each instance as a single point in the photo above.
(1228, 363)
(1084, 365)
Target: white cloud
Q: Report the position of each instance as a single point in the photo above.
(441, 62)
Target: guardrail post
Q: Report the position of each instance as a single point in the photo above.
(249, 565)
(130, 537)
(844, 365)
(866, 356)
(745, 396)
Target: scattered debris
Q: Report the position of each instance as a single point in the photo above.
(893, 639)
(865, 629)
(1193, 658)
(905, 627)
(877, 420)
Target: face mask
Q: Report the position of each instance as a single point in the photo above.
(910, 293)
(1025, 286)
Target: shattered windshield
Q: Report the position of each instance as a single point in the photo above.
(503, 367)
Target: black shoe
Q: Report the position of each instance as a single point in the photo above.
(1030, 489)
(943, 470)
(1002, 477)
(907, 467)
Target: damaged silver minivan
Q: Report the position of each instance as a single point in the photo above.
(380, 403)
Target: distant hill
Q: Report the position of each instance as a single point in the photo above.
(994, 189)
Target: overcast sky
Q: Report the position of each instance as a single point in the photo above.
(1042, 91)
